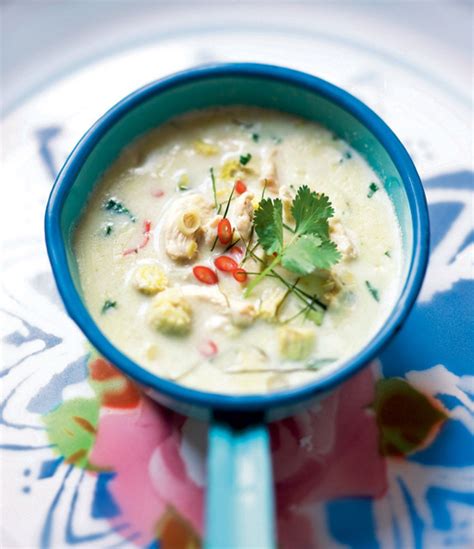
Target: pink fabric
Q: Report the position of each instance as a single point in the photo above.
(323, 453)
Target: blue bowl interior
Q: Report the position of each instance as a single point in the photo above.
(255, 85)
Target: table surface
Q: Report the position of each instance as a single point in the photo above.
(388, 459)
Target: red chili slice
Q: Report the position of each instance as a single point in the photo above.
(240, 186)
(224, 231)
(240, 275)
(226, 264)
(158, 193)
(144, 242)
(236, 250)
(205, 275)
(208, 348)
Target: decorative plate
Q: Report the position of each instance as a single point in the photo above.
(386, 461)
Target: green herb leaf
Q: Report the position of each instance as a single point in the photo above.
(309, 252)
(373, 188)
(108, 228)
(116, 206)
(373, 291)
(311, 212)
(245, 159)
(269, 225)
(255, 137)
(108, 304)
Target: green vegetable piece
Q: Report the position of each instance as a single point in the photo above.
(116, 206)
(255, 137)
(109, 227)
(373, 188)
(373, 291)
(315, 315)
(183, 186)
(295, 343)
(388, 254)
(245, 159)
(311, 212)
(108, 304)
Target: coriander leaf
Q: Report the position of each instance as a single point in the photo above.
(116, 206)
(311, 212)
(309, 252)
(255, 137)
(373, 188)
(108, 304)
(269, 225)
(245, 159)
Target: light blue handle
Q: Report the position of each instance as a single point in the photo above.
(240, 503)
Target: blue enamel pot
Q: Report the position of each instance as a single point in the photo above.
(240, 502)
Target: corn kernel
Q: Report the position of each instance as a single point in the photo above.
(149, 279)
(170, 313)
(206, 149)
(191, 249)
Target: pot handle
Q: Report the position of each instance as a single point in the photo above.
(240, 502)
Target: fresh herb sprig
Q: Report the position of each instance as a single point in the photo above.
(309, 247)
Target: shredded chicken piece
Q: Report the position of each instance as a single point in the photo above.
(209, 294)
(210, 229)
(271, 300)
(242, 312)
(247, 359)
(268, 174)
(343, 238)
(331, 287)
(287, 195)
(179, 246)
(242, 214)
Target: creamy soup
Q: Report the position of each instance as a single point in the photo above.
(239, 250)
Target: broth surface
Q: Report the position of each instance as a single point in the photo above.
(153, 218)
